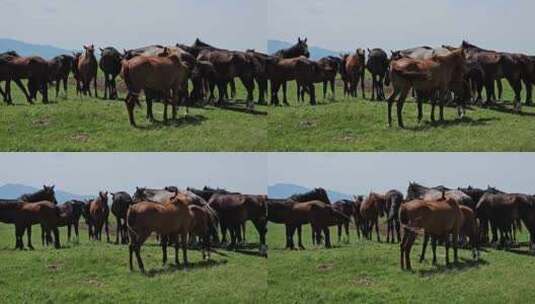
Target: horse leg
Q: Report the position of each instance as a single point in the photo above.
(399, 107)
(402, 245)
(398, 232)
(19, 233)
(130, 102)
(390, 101)
(69, 232)
(299, 239)
(57, 243)
(284, 99)
(455, 240)
(163, 242)
(327, 234)
(312, 93)
(424, 247)
(29, 236)
(529, 91)
(107, 230)
(339, 232)
(377, 229)
(325, 89)
(412, 237)
(288, 237)
(76, 231)
(184, 241)
(447, 245)
(118, 231)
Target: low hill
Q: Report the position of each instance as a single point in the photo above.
(27, 49)
(281, 190)
(12, 191)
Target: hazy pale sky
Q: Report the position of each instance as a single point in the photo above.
(393, 24)
(359, 173)
(236, 24)
(87, 173)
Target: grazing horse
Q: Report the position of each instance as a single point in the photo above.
(171, 219)
(371, 209)
(59, 69)
(233, 210)
(110, 64)
(99, 212)
(87, 69)
(377, 65)
(354, 68)
(434, 77)
(394, 200)
(165, 73)
(300, 49)
(438, 218)
(6, 74)
(121, 201)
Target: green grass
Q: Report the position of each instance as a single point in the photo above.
(98, 125)
(354, 124)
(346, 124)
(358, 272)
(369, 272)
(97, 272)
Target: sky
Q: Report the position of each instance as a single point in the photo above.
(360, 173)
(88, 173)
(342, 25)
(235, 24)
(339, 25)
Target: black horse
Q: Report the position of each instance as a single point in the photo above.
(121, 201)
(59, 69)
(110, 64)
(378, 64)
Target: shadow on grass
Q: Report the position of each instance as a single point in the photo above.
(427, 125)
(191, 266)
(187, 120)
(519, 251)
(503, 108)
(237, 107)
(462, 265)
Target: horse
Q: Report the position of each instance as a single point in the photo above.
(326, 70)
(70, 213)
(110, 64)
(394, 200)
(6, 75)
(233, 210)
(121, 201)
(300, 49)
(468, 228)
(359, 221)
(33, 68)
(434, 77)
(87, 70)
(318, 194)
(261, 75)
(346, 207)
(438, 218)
(59, 69)
(173, 219)
(355, 72)
(371, 209)
(75, 72)
(300, 69)
(99, 212)
(417, 191)
(377, 65)
(165, 73)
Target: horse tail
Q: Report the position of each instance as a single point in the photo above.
(131, 221)
(403, 216)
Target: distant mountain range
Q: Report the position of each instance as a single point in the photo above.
(315, 52)
(281, 190)
(27, 49)
(13, 191)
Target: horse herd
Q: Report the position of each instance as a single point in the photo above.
(183, 218)
(164, 73)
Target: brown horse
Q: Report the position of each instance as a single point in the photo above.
(234, 210)
(87, 69)
(33, 68)
(121, 201)
(373, 207)
(326, 71)
(394, 199)
(437, 218)
(354, 67)
(165, 73)
(99, 212)
(172, 219)
(6, 75)
(300, 69)
(435, 77)
(24, 215)
(202, 221)
(346, 207)
(469, 228)
(59, 69)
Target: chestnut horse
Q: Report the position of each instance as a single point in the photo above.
(371, 209)
(354, 67)
(99, 212)
(87, 70)
(121, 201)
(433, 76)
(172, 219)
(165, 73)
(438, 218)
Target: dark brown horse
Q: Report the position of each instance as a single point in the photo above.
(70, 213)
(110, 64)
(121, 201)
(59, 69)
(300, 69)
(348, 208)
(326, 70)
(377, 65)
(99, 212)
(87, 70)
(434, 77)
(164, 73)
(33, 68)
(234, 210)
(437, 218)
(394, 200)
(6, 74)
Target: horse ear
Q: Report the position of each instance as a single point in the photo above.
(306, 39)
(368, 50)
(52, 187)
